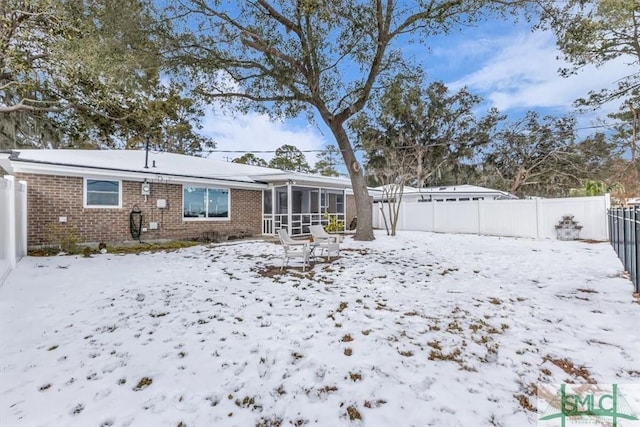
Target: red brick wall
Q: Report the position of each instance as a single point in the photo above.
(50, 197)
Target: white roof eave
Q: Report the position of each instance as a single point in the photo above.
(301, 179)
(18, 166)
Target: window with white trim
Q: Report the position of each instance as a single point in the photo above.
(205, 203)
(102, 193)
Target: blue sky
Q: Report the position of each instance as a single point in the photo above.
(510, 66)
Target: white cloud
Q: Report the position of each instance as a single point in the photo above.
(522, 73)
(256, 132)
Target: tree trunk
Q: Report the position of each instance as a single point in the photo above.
(364, 229)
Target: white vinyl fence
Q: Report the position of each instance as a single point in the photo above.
(517, 218)
(13, 224)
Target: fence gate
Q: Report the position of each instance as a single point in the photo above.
(624, 233)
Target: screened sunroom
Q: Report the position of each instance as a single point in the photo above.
(296, 207)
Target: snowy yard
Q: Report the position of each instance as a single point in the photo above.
(419, 330)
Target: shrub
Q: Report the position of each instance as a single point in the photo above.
(334, 225)
(64, 237)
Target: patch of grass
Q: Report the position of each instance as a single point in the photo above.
(248, 402)
(161, 314)
(434, 344)
(270, 272)
(571, 369)
(454, 326)
(367, 332)
(343, 305)
(348, 351)
(69, 245)
(406, 353)
(375, 404)
(482, 340)
(270, 422)
(353, 413)
(495, 301)
(454, 356)
(524, 402)
(152, 247)
(326, 390)
(347, 338)
(355, 376)
(143, 383)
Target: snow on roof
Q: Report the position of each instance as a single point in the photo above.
(464, 188)
(377, 192)
(159, 163)
(134, 161)
(406, 188)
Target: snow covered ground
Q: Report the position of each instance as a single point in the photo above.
(418, 330)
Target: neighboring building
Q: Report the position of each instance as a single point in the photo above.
(453, 193)
(633, 202)
(102, 194)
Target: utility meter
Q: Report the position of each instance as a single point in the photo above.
(146, 189)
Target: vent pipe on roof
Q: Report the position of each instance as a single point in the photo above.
(146, 155)
(153, 164)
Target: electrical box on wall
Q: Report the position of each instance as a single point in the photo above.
(153, 226)
(161, 203)
(146, 189)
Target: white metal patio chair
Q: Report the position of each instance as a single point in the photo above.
(325, 242)
(293, 249)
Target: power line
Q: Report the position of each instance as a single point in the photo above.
(552, 133)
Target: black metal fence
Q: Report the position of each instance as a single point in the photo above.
(624, 233)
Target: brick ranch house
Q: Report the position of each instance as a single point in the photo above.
(108, 195)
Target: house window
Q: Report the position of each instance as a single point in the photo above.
(205, 203)
(102, 194)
